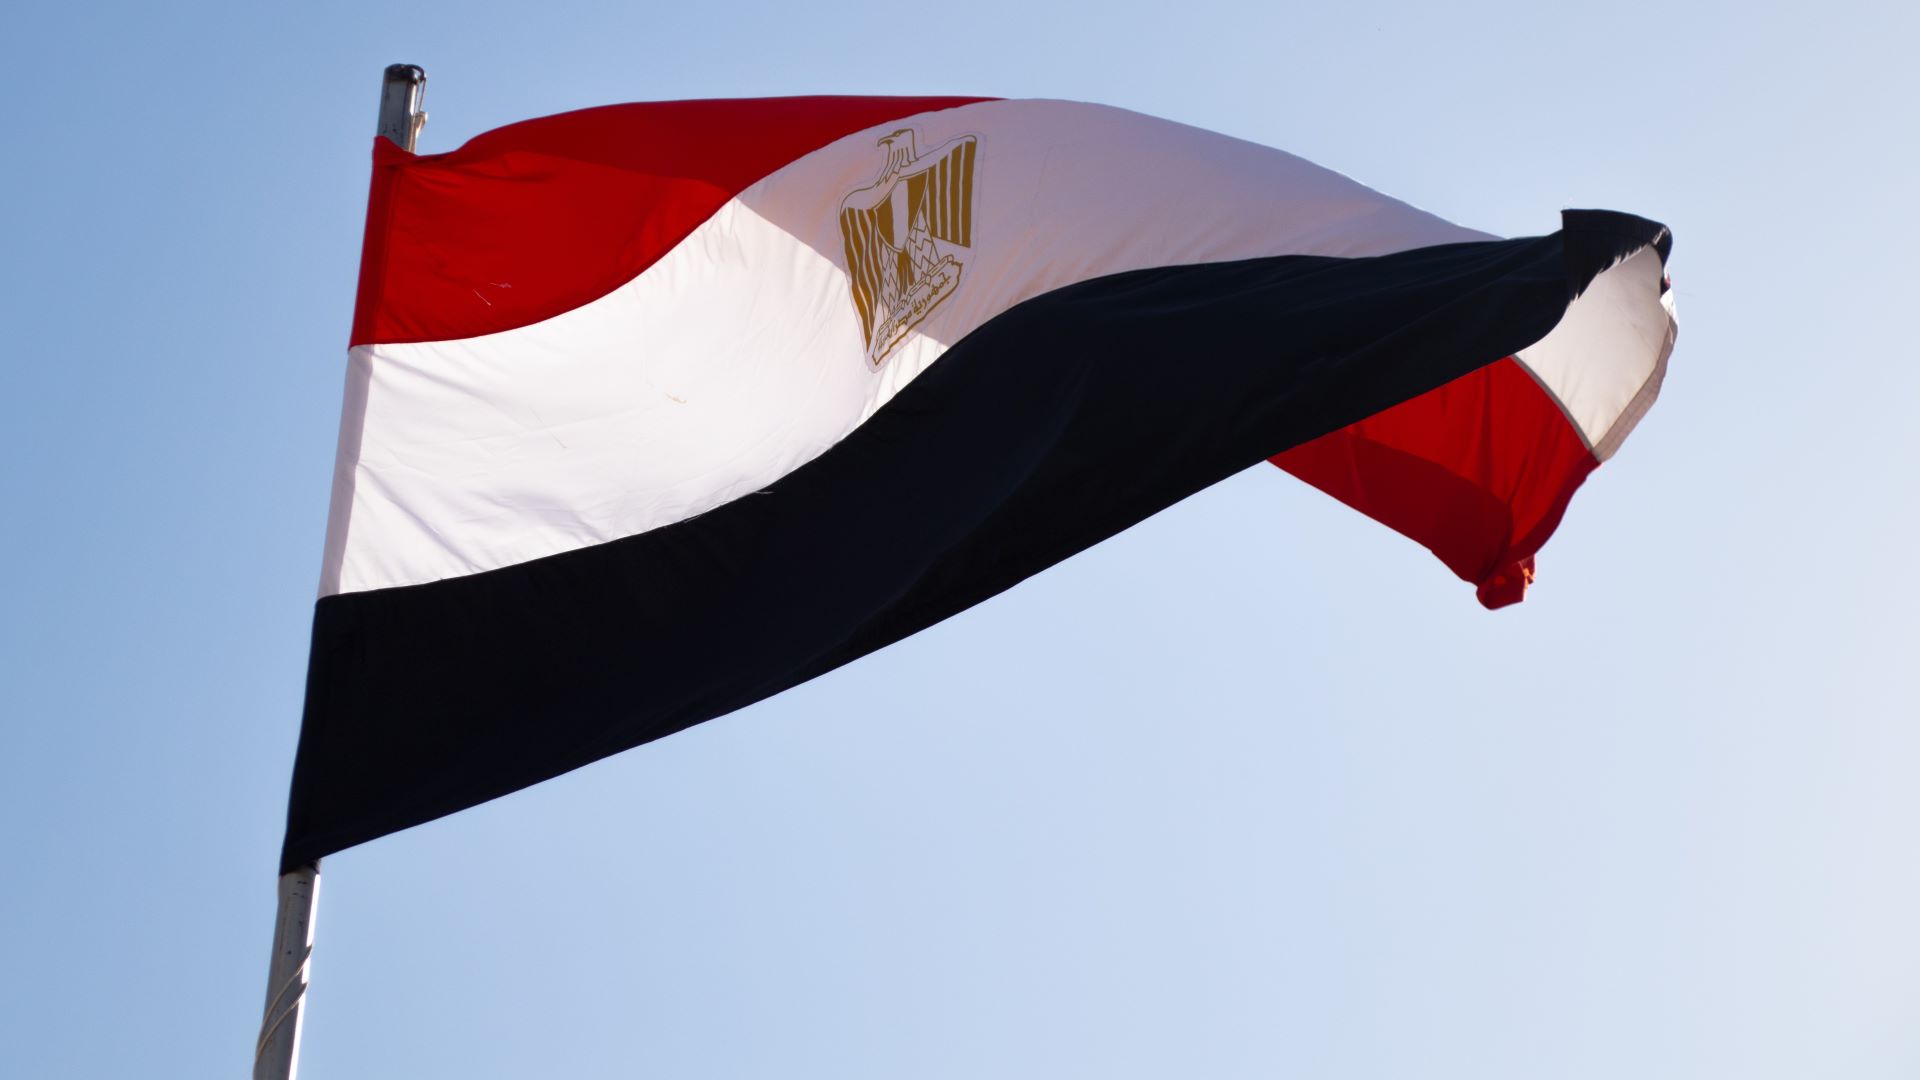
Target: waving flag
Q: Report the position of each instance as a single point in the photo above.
(654, 411)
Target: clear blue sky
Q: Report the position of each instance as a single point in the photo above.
(1254, 790)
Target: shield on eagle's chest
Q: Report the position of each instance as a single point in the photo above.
(908, 237)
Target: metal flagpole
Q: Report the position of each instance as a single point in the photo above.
(276, 1056)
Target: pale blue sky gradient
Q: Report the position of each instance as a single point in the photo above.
(1255, 790)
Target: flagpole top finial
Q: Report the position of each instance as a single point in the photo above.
(403, 91)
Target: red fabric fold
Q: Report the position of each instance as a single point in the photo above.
(1479, 471)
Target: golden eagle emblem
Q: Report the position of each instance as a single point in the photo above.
(908, 235)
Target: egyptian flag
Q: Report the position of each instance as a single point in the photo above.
(653, 411)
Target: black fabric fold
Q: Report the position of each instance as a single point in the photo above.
(1057, 424)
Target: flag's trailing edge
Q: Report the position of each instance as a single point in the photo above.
(654, 411)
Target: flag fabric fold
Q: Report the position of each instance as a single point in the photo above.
(654, 411)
